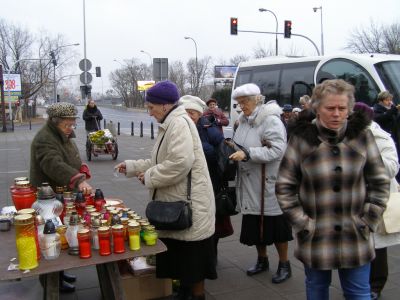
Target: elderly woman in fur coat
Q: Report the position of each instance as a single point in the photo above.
(333, 187)
(262, 136)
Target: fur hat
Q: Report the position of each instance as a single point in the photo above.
(192, 102)
(248, 89)
(163, 92)
(62, 110)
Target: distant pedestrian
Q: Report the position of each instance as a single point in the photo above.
(215, 115)
(332, 187)
(304, 102)
(287, 114)
(92, 117)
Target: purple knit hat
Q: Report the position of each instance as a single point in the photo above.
(163, 92)
(360, 106)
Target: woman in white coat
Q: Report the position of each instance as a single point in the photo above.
(262, 135)
(379, 266)
(190, 257)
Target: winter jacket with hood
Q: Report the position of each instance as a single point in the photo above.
(167, 169)
(332, 186)
(263, 126)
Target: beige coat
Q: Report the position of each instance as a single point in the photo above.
(179, 152)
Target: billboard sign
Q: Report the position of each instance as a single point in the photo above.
(224, 72)
(144, 85)
(12, 87)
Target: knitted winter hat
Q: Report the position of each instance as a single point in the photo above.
(163, 92)
(248, 89)
(192, 102)
(62, 110)
(360, 106)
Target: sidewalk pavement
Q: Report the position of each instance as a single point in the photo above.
(233, 257)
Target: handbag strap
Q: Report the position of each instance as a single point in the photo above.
(189, 176)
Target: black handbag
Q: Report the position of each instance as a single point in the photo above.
(227, 167)
(225, 202)
(171, 215)
(176, 215)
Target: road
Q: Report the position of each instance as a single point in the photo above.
(126, 117)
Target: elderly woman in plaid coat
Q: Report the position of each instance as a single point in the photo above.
(333, 186)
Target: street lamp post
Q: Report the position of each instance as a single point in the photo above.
(322, 29)
(54, 61)
(197, 67)
(151, 63)
(276, 28)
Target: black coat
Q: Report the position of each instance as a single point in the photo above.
(92, 117)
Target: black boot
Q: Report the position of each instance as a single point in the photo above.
(261, 266)
(66, 287)
(68, 277)
(184, 293)
(284, 272)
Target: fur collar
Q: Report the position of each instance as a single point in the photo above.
(260, 113)
(303, 128)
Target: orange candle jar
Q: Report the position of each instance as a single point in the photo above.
(61, 230)
(118, 238)
(85, 249)
(26, 242)
(104, 240)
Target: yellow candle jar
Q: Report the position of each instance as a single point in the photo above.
(134, 236)
(26, 243)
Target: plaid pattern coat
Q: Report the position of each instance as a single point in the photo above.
(333, 188)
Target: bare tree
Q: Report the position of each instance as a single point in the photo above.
(197, 74)
(375, 39)
(124, 81)
(238, 59)
(261, 52)
(176, 74)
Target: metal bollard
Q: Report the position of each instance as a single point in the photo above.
(132, 129)
(104, 126)
(141, 129)
(119, 129)
(152, 131)
(30, 125)
(12, 124)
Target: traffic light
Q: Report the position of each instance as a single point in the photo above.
(288, 29)
(53, 58)
(234, 26)
(98, 72)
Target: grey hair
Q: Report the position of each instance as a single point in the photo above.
(335, 87)
(258, 99)
(304, 100)
(384, 95)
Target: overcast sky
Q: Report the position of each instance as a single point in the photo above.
(119, 29)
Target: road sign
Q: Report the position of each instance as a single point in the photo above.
(88, 78)
(160, 69)
(82, 64)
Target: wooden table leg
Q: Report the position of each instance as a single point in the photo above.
(51, 283)
(110, 281)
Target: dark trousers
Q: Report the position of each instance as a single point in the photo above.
(379, 270)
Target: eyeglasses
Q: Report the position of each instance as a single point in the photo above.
(69, 126)
(243, 102)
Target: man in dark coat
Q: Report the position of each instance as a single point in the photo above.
(92, 117)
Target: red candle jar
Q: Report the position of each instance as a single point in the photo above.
(104, 240)
(118, 238)
(85, 249)
(23, 195)
(89, 199)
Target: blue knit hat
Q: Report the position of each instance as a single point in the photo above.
(163, 92)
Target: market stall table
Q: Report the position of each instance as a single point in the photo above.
(107, 267)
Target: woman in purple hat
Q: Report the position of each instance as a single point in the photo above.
(178, 150)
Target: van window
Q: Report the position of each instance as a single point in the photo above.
(267, 79)
(366, 88)
(297, 80)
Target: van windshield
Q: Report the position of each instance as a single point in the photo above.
(389, 72)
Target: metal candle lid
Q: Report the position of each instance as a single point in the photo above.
(45, 192)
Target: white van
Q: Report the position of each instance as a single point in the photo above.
(286, 79)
